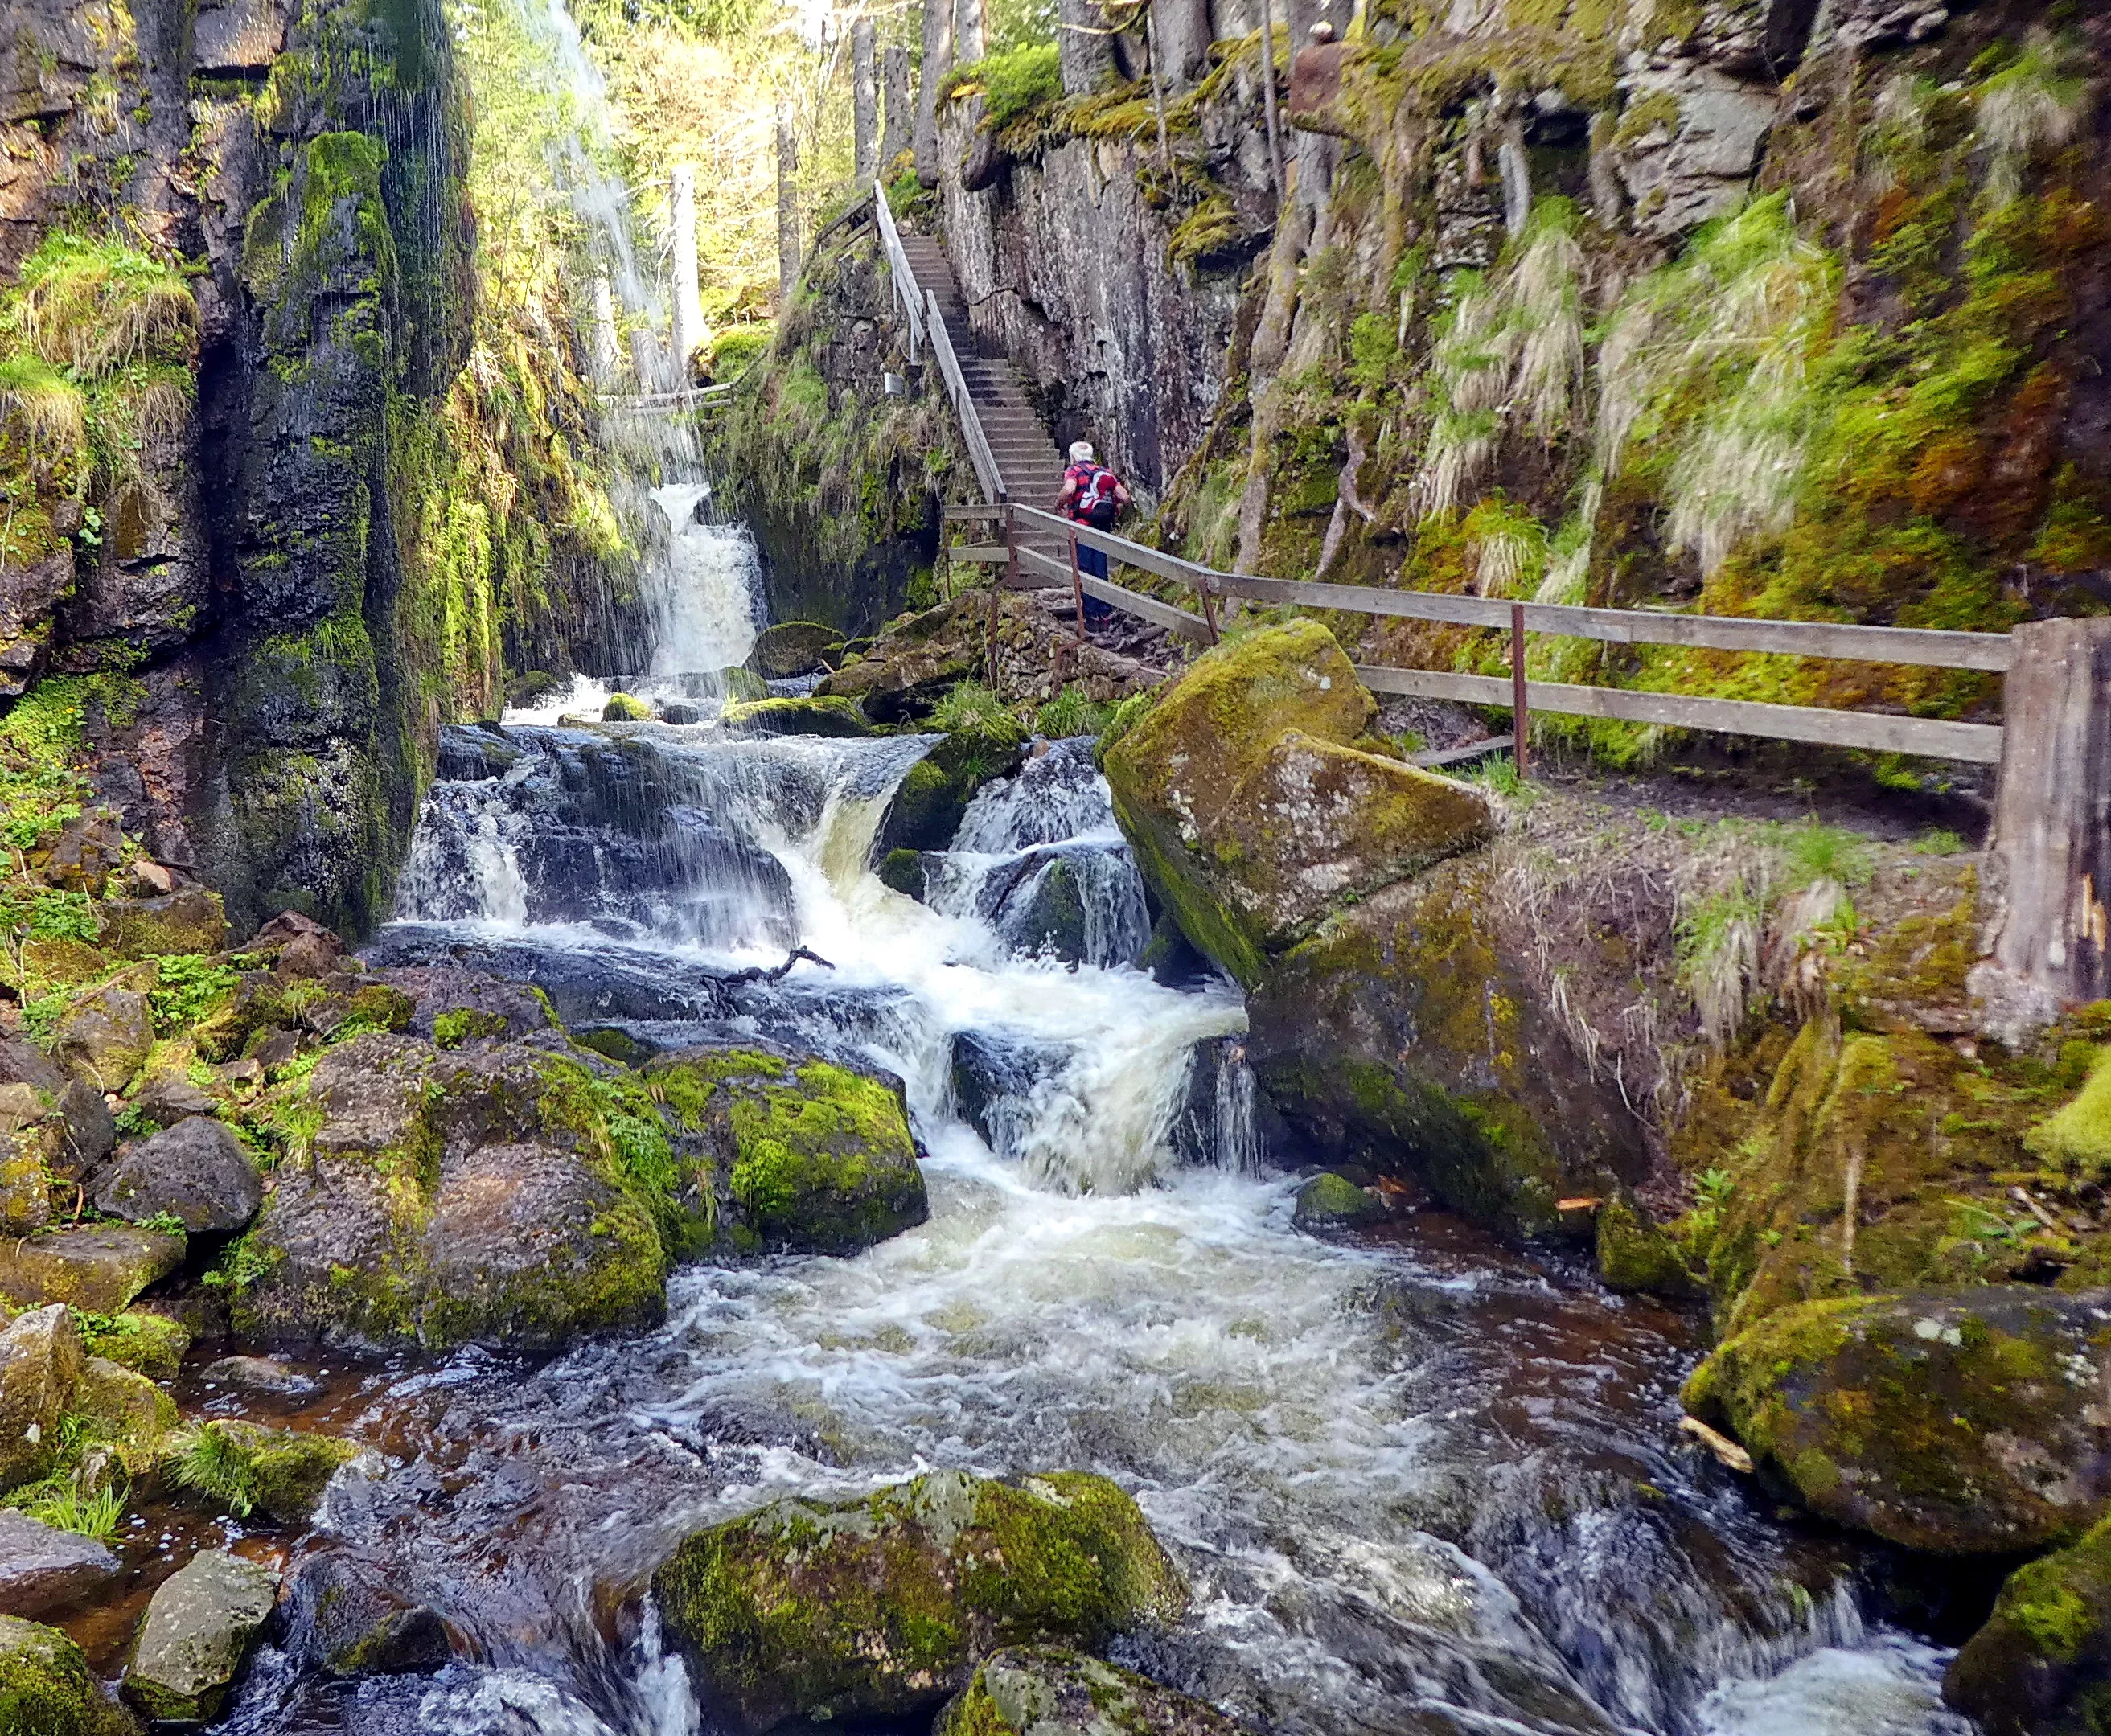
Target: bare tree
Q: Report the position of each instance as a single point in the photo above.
(1083, 49)
(900, 124)
(938, 63)
(865, 102)
(788, 202)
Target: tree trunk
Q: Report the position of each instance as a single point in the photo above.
(900, 124)
(688, 303)
(2048, 875)
(938, 63)
(1184, 36)
(865, 103)
(787, 205)
(970, 32)
(1266, 66)
(1082, 52)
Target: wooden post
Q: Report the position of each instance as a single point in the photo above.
(1267, 102)
(1520, 715)
(998, 578)
(865, 102)
(1209, 608)
(1078, 587)
(2048, 874)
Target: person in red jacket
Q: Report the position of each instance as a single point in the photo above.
(1092, 495)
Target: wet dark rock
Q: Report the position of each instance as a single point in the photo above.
(1956, 1422)
(44, 1569)
(470, 752)
(681, 712)
(814, 715)
(902, 871)
(995, 1075)
(199, 1627)
(90, 1129)
(1053, 1691)
(452, 1004)
(790, 648)
(879, 1608)
(257, 1374)
(197, 1171)
(924, 812)
(340, 1616)
(96, 1268)
(22, 1062)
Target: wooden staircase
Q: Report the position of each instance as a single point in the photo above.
(1030, 467)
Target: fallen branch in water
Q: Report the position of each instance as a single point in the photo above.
(1732, 1456)
(777, 973)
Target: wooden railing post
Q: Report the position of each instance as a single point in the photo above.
(1009, 570)
(2048, 873)
(1209, 609)
(1520, 711)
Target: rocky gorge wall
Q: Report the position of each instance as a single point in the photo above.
(289, 484)
(1771, 308)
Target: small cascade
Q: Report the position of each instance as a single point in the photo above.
(1039, 859)
(708, 591)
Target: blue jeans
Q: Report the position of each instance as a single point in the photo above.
(1092, 563)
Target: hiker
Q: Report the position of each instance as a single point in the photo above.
(1092, 495)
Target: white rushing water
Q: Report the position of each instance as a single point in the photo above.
(1418, 1487)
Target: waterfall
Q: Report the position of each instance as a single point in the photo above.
(708, 591)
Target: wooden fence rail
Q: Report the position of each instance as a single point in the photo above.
(1933, 737)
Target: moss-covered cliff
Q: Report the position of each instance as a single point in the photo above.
(295, 464)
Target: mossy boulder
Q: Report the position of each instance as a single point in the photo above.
(45, 1687)
(1252, 813)
(811, 1156)
(1053, 1691)
(147, 1343)
(626, 708)
(1634, 1253)
(103, 1037)
(2041, 1665)
(41, 1360)
(1959, 1422)
(495, 1194)
(244, 1467)
(927, 806)
(879, 1608)
(913, 662)
(816, 714)
(1407, 1035)
(98, 1268)
(190, 921)
(791, 648)
(197, 1171)
(199, 1626)
(1332, 1201)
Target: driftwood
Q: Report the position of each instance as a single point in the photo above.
(1728, 1453)
(776, 972)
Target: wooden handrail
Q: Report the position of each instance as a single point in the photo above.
(964, 404)
(906, 291)
(1935, 737)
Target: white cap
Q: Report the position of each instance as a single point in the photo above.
(1081, 451)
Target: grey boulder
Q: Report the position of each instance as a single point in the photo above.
(44, 1569)
(198, 1630)
(196, 1170)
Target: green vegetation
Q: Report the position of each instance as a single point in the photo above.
(1010, 82)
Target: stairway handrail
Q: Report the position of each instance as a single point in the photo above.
(964, 404)
(906, 291)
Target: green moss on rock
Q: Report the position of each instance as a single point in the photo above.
(1054, 1691)
(817, 714)
(1332, 1201)
(1635, 1254)
(45, 1687)
(149, 1344)
(626, 708)
(2041, 1665)
(1955, 1422)
(244, 1467)
(1252, 816)
(879, 1608)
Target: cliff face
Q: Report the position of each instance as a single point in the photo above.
(1768, 306)
(278, 517)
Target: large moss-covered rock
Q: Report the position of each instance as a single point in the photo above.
(1332, 1201)
(195, 1172)
(1252, 814)
(189, 921)
(816, 714)
(495, 1193)
(41, 1360)
(1635, 1254)
(45, 1687)
(916, 660)
(1407, 1034)
(199, 1627)
(926, 807)
(813, 1156)
(2041, 1666)
(103, 1037)
(879, 1608)
(1956, 1422)
(98, 1268)
(1053, 1691)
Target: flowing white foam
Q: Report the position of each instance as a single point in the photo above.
(706, 593)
